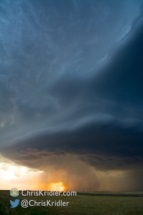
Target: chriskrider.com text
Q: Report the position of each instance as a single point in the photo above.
(47, 193)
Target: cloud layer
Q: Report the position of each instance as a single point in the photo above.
(71, 84)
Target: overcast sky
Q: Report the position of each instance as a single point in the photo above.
(71, 90)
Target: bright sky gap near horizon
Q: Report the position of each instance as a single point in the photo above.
(71, 94)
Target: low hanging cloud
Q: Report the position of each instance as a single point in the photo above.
(71, 87)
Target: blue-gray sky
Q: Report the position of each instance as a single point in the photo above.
(71, 79)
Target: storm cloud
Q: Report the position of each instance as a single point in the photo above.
(71, 85)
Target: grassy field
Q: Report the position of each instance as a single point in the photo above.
(82, 204)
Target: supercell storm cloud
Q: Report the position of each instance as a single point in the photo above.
(71, 86)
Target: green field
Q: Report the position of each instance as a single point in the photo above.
(82, 204)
